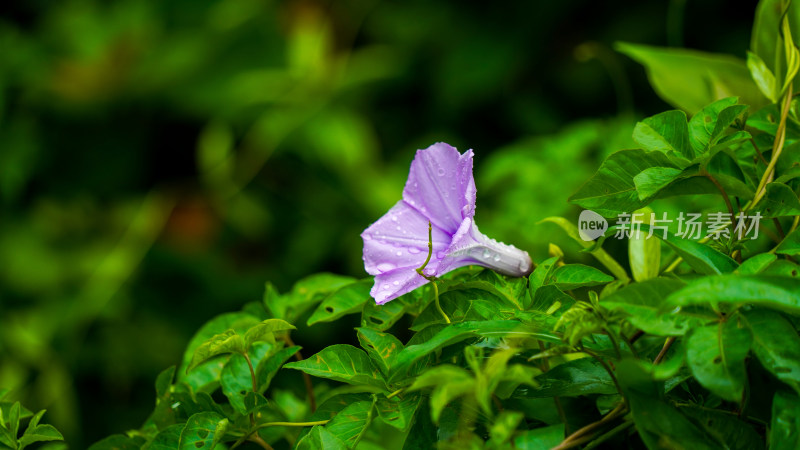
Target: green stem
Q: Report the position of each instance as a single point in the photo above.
(777, 148)
(432, 279)
(608, 435)
(394, 393)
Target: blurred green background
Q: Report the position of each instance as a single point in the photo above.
(160, 160)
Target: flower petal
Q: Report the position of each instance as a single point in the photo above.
(399, 239)
(440, 186)
(390, 285)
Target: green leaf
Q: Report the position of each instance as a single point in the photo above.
(448, 382)
(539, 277)
(543, 438)
(347, 300)
(577, 377)
(785, 427)
(450, 335)
(236, 381)
(666, 132)
(716, 354)
(253, 402)
(381, 347)
(39, 433)
(725, 428)
(612, 190)
(690, 79)
(700, 257)
(771, 291)
(651, 181)
(660, 425)
(343, 363)
(504, 426)
(764, 78)
(779, 201)
(382, 317)
(268, 367)
(304, 295)
(13, 419)
(755, 264)
(550, 297)
(265, 331)
(7, 439)
(776, 344)
(350, 423)
(320, 439)
(228, 342)
(203, 430)
(398, 411)
(164, 381)
(643, 302)
(791, 244)
(644, 252)
(572, 276)
(239, 322)
(167, 439)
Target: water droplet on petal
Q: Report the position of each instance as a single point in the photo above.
(385, 267)
(441, 172)
(394, 218)
(413, 250)
(385, 287)
(496, 257)
(399, 229)
(486, 254)
(399, 253)
(396, 283)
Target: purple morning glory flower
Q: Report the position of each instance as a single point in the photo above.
(441, 191)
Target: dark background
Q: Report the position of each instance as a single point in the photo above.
(159, 161)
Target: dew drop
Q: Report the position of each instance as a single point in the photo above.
(496, 258)
(396, 283)
(441, 172)
(394, 218)
(385, 287)
(486, 254)
(385, 267)
(399, 253)
(413, 250)
(399, 229)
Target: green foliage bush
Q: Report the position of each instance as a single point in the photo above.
(688, 344)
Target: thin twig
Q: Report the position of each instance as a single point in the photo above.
(722, 192)
(758, 152)
(664, 349)
(579, 436)
(312, 400)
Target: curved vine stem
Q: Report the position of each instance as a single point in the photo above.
(432, 279)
